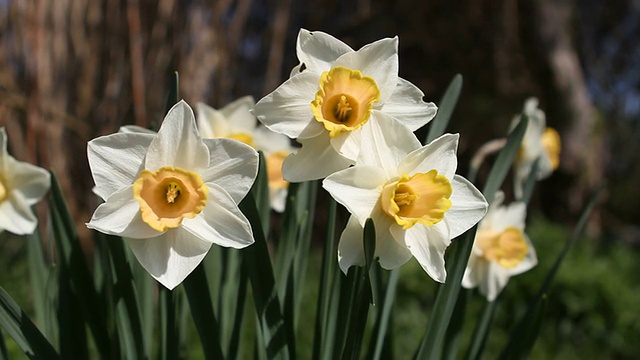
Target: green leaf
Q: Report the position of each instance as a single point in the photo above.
(18, 325)
(327, 277)
(198, 295)
(129, 315)
(481, 332)
(260, 190)
(446, 297)
(72, 262)
(382, 322)
(174, 92)
(504, 161)
(447, 105)
(361, 298)
(454, 330)
(257, 263)
(169, 335)
(529, 185)
(524, 336)
(42, 278)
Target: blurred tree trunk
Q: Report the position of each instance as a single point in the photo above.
(583, 150)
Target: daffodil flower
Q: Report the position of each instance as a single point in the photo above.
(417, 202)
(539, 142)
(332, 96)
(235, 121)
(21, 186)
(172, 195)
(501, 249)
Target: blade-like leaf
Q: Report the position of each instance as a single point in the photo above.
(197, 289)
(258, 265)
(505, 159)
(448, 103)
(72, 262)
(18, 325)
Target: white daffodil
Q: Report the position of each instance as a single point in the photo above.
(539, 142)
(411, 192)
(235, 121)
(172, 195)
(501, 249)
(332, 96)
(21, 185)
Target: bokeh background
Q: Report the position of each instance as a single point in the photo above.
(72, 70)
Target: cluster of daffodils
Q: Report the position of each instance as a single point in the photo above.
(173, 194)
(348, 107)
(501, 249)
(21, 186)
(539, 142)
(235, 121)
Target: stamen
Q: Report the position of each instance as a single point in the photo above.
(404, 198)
(343, 110)
(173, 192)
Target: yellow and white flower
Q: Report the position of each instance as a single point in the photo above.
(501, 249)
(417, 202)
(539, 142)
(235, 121)
(21, 186)
(172, 195)
(332, 96)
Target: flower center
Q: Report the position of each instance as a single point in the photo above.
(345, 100)
(3, 191)
(551, 144)
(243, 137)
(507, 248)
(274, 170)
(169, 195)
(422, 198)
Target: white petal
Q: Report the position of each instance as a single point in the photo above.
(238, 113)
(427, 244)
(30, 181)
(316, 159)
(474, 272)
(221, 222)
(468, 206)
(171, 257)
(278, 199)
(378, 60)
(16, 216)
(357, 188)
(494, 281)
(440, 155)
(135, 129)
(513, 215)
(120, 215)
(390, 253)
(318, 50)
(232, 166)
(385, 142)
(287, 110)
(351, 247)
(406, 105)
(347, 143)
(210, 122)
(178, 142)
(115, 160)
(270, 142)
